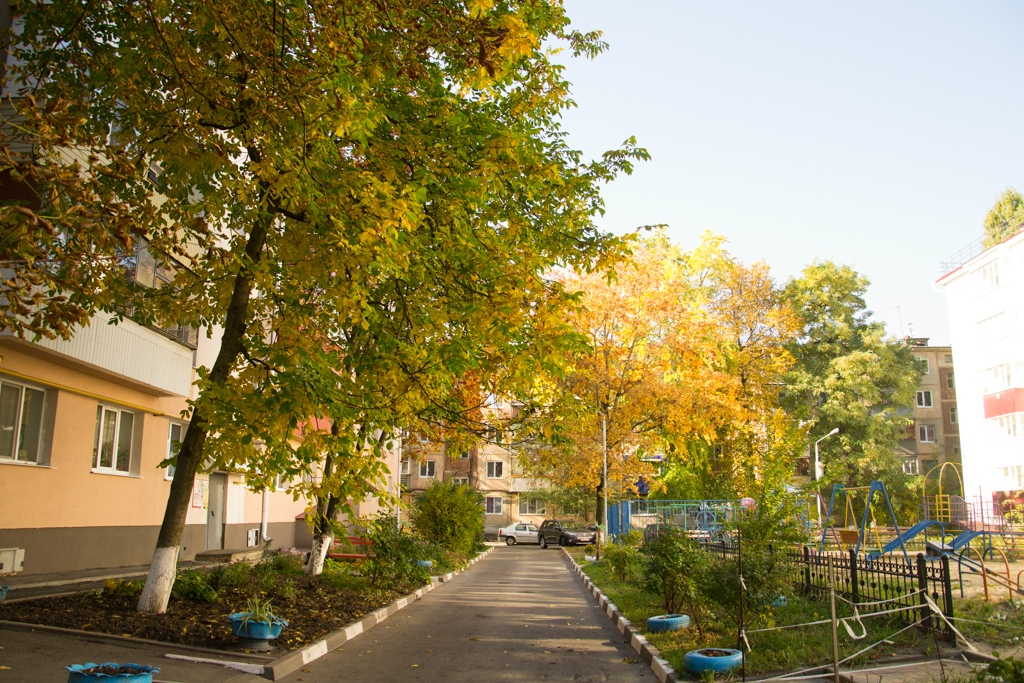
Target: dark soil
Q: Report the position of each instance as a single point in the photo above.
(112, 670)
(316, 609)
(716, 653)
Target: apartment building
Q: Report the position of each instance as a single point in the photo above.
(984, 290)
(492, 468)
(934, 437)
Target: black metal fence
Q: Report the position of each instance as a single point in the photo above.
(887, 581)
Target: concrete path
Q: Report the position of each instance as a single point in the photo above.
(518, 615)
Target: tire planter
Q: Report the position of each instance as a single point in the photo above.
(256, 635)
(667, 622)
(425, 563)
(3, 592)
(780, 601)
(143, 674)
(696, 661)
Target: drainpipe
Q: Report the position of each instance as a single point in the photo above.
(263, 520)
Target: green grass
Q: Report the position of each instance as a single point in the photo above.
(773, 651)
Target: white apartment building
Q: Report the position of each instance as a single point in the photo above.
(984, 291)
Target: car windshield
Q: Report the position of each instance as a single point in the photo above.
(572, 524)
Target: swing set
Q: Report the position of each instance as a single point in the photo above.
(851, 533)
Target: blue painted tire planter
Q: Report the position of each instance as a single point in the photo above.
(425, 563)
(3, 592)
(667, 622)
(780, 601)
(255, 635)
(696, 662)
(143, 674)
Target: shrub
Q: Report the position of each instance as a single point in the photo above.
(632, 538)
(625, 560)
(393, 554)
(234, 575)
(285, 562)
(450, 515)
(1008, 670)
(193, 584)
(286, 589)
(673, 567)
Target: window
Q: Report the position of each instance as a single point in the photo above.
(423, 438)
(950, 381)
(175, 432)
(21, 422)
(494, 469)
(990, 275)
(1001, 377)
(493, 505)
(141, 267)
(464, 455)
(461, 481)
(1007, 427)
(952, 414)
(956, 451)
(910, 466)
(925, 367)
(112, 445)
(949, 358)
(926, 433)
(405, 466)
(533, 507)
(427, 469)
(992, 327)
(924, 399)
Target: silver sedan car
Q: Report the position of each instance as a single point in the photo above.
(520, 532)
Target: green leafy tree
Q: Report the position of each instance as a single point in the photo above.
(364, 197)
(849, 374)
(450, 515)
(1005, 218)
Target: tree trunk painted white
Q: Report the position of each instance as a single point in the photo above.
(321, 546)
(160, 581)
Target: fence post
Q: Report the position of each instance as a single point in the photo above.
(922, 584)
(947, 590)
(854, 585)
(807, 570)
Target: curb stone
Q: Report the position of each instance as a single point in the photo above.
(295, 660)
(630, 634)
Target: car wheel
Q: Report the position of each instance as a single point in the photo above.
(543, 542)
(510, 540)
(562, 541)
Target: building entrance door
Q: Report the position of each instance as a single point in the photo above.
(215, 512)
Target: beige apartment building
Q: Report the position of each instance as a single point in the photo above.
(491, 468)
(84, 426)
(935, 436)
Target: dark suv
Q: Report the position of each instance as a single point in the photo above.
(569, 532)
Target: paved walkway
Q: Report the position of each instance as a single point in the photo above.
(518, 615)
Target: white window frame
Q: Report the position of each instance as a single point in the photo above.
(924, 431)
(924, 361)
(951, 380)
(495, 503)
(102, 410)
(19, 435)
(428, 469)
(495, 466)
(461, 481)
(540, 507)
(169, 470)
(952, 415)
(910, 467)
(924, 399)
(406, 468)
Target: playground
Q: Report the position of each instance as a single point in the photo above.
(982, 541)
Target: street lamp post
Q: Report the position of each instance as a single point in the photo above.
(817, 475)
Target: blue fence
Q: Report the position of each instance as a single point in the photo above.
(702, 519)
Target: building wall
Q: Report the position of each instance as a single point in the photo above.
(67, 515)
(918, 453)
(985, 298)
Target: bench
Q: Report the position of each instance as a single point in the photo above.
(351, 556)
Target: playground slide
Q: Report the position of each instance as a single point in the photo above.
(902, 538)
(964, 538)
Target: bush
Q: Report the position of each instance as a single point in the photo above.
(632, 538)
(625, 560)
(450, 515)
(393, 555)
(234, 575)
(193, 584)
(673, 568)
(285, 562)
(1008, 670)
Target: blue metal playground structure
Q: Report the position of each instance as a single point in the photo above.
(702, 519)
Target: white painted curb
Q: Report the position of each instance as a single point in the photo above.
(650, 654)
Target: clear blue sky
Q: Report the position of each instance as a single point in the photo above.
(875, 134)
